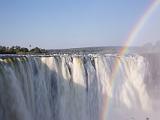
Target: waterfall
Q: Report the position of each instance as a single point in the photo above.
(79, 87)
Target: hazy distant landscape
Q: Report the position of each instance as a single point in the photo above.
(146, 48)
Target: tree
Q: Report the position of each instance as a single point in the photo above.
(36, 50)
(24, 50)
(19, 50)
(3, 49)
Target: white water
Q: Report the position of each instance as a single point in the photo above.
(79, 88)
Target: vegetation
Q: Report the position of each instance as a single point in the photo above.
(20, 50)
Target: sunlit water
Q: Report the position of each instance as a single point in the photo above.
(71, 87)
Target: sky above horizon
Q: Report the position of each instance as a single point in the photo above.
(74, 23)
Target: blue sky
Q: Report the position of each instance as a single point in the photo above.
(72, 23)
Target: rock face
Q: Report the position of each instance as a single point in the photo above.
(77, 87)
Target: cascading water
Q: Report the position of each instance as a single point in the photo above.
(72, 87)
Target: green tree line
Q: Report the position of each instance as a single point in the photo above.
(20, 50)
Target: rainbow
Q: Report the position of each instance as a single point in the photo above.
(131, 37)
